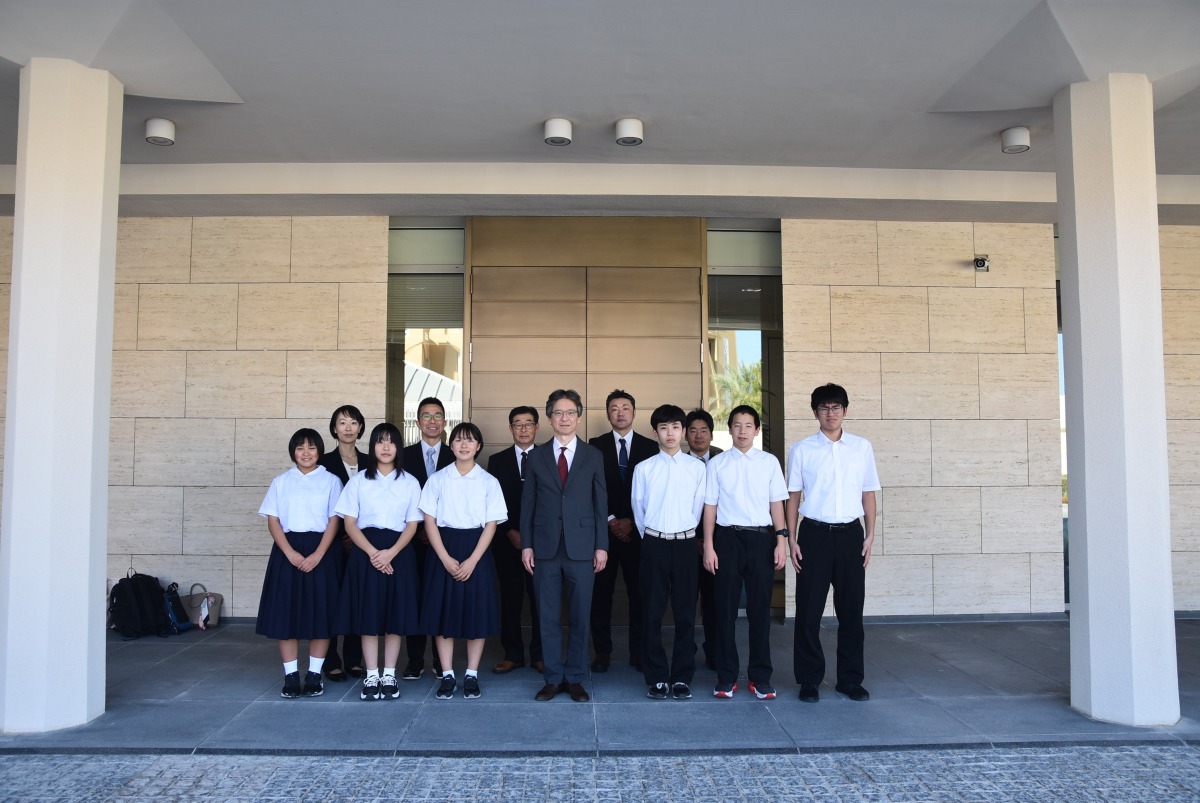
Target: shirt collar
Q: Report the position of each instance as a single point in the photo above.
(628, 438)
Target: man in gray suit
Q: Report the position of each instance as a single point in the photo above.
(564, 541)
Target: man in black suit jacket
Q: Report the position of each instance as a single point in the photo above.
(428, 452)
(623, 449)
(564, 541)
(509, 468)
(699, 439)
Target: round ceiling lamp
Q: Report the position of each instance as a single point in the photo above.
(629, 131)
(1014, 140)
(557, 131)
(160, 131)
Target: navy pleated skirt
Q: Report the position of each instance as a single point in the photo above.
(377, 604)
(296, 604)
(460, 610)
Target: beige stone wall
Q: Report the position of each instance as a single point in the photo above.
(1180, 254)
(230, 334)
(953, 376)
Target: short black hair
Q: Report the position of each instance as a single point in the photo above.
(384, 431)
(829, 394)
(699, 415)
(620, 394)
(744, 409)
(302, 436)
(523, 410)
(469, 430)
(350, 411)
(560, 394)
(432, 400)
(667, 413)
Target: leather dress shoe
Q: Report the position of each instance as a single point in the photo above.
(548, 691)
(809, 693)
(539, 667)
(855, 692)
(600, 662)
(505, 666)
(577, 692)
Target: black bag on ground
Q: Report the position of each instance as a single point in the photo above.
(177, 618)
(137, 608)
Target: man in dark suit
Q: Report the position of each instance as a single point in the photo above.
(623, 449)
(564, 541)
(422, 459)
(699, 439)
(509, 468)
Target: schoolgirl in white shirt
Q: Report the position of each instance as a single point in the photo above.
(300, 589)
(379, 507)
(462, 504)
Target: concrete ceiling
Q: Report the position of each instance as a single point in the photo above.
(918, 84)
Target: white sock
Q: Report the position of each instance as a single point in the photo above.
(448, 673)
(291, 666)
(373, 673)
(315, 664)
(389, 670)
(472, 673)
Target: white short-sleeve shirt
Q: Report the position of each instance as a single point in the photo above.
(463, 502)
(743, 485)
(833, 476)
(668, 493)
(303, 503)
(388, 501)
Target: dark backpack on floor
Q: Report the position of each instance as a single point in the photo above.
(137, 607)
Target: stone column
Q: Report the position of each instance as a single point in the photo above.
(1123, 665)
(54, 528)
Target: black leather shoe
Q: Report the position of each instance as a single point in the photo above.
(547, 692)
(856, 692)
(577, 692)
(809, 693)
(600, 662)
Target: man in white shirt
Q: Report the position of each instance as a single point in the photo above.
(835, 474)
(667, 498)
(745, 541)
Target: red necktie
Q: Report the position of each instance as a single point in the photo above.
(562, 465)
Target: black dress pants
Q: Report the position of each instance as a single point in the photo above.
(625, 557)
(832, 555)
(515, 584)
(744, 556)
(669, 573)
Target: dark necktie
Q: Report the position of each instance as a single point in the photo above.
(623, 458)
(562, 465)
(524, 457)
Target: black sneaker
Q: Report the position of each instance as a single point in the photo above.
(388, 689)
(658, 691)
(312, 685)
(413, 670)
(680, 691)
(471, 687)
(370, 688)
(763, 691)
(446, 690)
(291, 685)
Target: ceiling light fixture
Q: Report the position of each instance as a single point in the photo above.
(1014, 140)
(557, 131)
(160, 131)
(629, 131)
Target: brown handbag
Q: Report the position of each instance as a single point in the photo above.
(203, 608)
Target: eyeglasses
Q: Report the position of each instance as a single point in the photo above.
(565, 414)
(432, 417)
(830, 409)
(529, 425)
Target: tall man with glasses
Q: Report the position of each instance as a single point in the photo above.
(423, 459)
(510, 467)
(564, 541)
(834, 472)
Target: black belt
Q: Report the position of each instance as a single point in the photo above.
(764, 529)
(831, 526)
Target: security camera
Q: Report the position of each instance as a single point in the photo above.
(981, 262)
